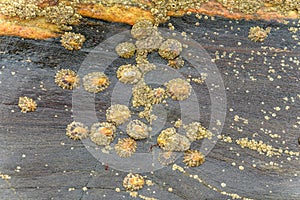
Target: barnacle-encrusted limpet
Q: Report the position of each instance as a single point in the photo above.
(103, 133)
(129, 74)
(95, 82)
(150, 43)
(170, 49)
(27, 104)
(125, 147)
(67, 79)
(77, 131)
(133, 182)
(72, 41)
(118, 114)
(178, 89)
(195, 131)
(137, 129)
(170, 140)
(142, 29)
(193, 158)
(125, 49)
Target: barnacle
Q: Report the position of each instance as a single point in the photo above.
(125, 147)
(258, 34)
(170, 49)
(129, 74)
(193, 158)
(77, 131)
(157, 95)
(103, 133)
(118, 114)
(133, 182)
(95, 82)
(178, 89)
(195, 131)
(125, 49)
(67, 79)
(170, 140)
(72, 41)
(27, 104)
(176, 63)
(137, 130)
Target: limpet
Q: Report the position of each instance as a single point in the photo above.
(103, 133)
(118, 114)
(133, 182)
(77, 131)
(137, 129)
(129, 74)
(95, 82)
(125, 147)
(178, 89)
(170, 49)
(67, 79)
(125, 49)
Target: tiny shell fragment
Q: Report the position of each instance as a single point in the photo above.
(77, 131)
(103, 133)
(133, 182)
(27, 104)
(170, 140)
(137, 130)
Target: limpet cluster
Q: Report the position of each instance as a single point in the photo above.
(27, 104)
(77, 131)
(133, 182)
(67, 79)
(95, 82)
(103, 133)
